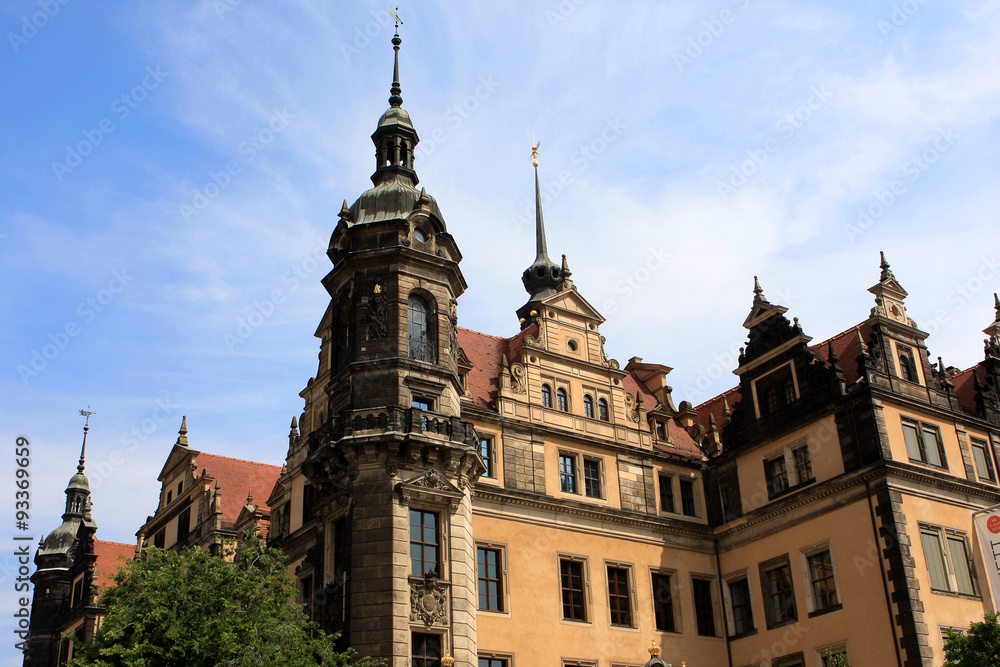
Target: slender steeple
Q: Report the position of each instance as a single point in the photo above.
(78, 489)
(542, 278)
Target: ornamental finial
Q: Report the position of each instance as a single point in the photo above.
(534, 150)
(654, 650)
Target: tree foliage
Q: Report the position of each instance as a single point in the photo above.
(979, 647)
(193, 609)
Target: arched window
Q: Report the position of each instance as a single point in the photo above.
(588, 405)
(421, 342)
(602, 410)
(546, 396)
(562, 399)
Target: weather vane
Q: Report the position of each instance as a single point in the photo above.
(86, 413)
(534, 150)
(395, 17)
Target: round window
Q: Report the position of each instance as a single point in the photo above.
(419, 235)
(572, 345)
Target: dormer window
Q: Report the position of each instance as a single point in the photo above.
(775, 390)
(546, 396)
(661, 431)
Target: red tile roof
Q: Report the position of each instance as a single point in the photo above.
(110, 556)
(965, 388)
(236, 479)
(486, 353)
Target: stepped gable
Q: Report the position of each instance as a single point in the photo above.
(110, 557)
(237, 477)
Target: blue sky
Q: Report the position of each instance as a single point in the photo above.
(172, 171)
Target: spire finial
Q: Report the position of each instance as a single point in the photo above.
(541, 251)
(395, 99)
(996, 305)
(182, 434)
(83, 449)
(884, 265)
(758, 292)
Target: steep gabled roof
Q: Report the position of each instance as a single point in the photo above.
(237, 478)
(965, 388)
(486, 355)
(110, 556)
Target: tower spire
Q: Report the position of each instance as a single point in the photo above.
(83, 449)
(395, 99)
(543, 277)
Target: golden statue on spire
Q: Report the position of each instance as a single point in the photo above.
(534, 150)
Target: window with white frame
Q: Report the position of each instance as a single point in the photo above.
(573, 586)
(487, 450)
(678, 494)
(490, 577)
(821, 583)
(739, 611)
(620, 595)
(779, 593)
(949, 560)
(788, 468)
(923, 443)
(984, 460)
(572, 465)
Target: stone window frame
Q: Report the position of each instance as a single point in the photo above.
(579, 460)
(987, 448)
(633, 596)
(546, 395)
(727, 596)
(588, 405)
(921, 428)
(809, 585)
(764, 568)
(792, 475)
(944, 534)
(588, 605)
(832, 650)
(573, 662)
(442, 636)
(906, 359)
(504, 578)
(76, 598)
(604, 409)
(797, 659)
(663, 476)
(492, 463)
(713, 594)
(562, 399)
(506, 659)
(797, 393)
(675, 599)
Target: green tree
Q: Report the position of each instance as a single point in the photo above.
(192, 609)
(979, 647)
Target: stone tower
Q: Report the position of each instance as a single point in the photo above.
(389, 461)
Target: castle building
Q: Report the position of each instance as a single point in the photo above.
(453, 497)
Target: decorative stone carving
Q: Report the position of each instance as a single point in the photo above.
(517, 379)
(453, 328)
(429, 601)
(376, 312)
(432, 480)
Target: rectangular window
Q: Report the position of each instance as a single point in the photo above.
(423, 403)
(687, 498)
(424, 544)
(802, 464)
(704, 609)
(663, 603)
(426, 650)
(160, 539)
(923, 443)
(824, 588)
(961, 564)
(572, 584)
(592, 478)
(775, 390)
(487, 452)
(931, 541)
(666, 493)
(797, 660)
(776, 475)
(984, 461)
(567, 473)
(619, 598)
(779, 595)
(948, 562)
(308, 500)
(184, 525)
(833, 655)
(661, 431)
(490, 579)
(339, 549)
(77, 595)
(739, 601)
(492, 662)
